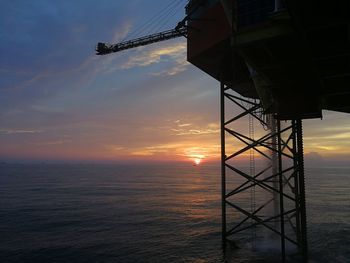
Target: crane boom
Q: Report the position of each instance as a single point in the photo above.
(103, 48)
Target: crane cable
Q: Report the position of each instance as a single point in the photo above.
(160, 19)
(148, 23)
(169, 15)
(154, 21)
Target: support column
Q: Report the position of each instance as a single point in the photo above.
(281, 197)
(301, 179)
(223, 167)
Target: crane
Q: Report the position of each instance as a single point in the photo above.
(179, 31)
(104, 48)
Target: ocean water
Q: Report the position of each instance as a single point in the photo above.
(145, 213)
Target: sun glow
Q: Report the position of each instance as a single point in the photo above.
(197, 161)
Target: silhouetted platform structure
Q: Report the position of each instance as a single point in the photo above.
(298, 56)
(289, 60)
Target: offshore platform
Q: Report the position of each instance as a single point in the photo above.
(278, 62)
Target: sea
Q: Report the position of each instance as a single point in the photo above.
(146, 213)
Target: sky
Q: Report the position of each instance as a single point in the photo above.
(59, 101)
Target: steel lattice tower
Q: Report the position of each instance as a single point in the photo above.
(279, 207)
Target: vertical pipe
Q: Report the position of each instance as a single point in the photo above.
(296, 185)
(278, 5)
(223, 167)
(283, 245)
(302, 188)
(228, 8)
(274, 162)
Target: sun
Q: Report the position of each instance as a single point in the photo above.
(197, 161)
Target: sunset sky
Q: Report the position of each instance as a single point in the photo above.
(59, 101)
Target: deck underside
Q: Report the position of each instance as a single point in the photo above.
(297, 61)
